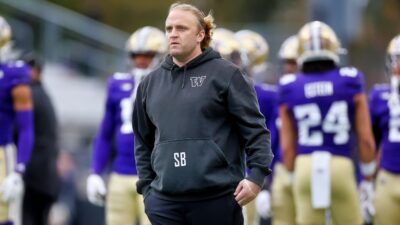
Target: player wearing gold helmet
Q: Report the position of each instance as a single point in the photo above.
(385, 114)
(145, 46)
(319, 108)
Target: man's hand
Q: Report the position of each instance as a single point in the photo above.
(96, 190)
(246, 191)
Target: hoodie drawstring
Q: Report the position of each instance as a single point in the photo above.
(184, 77)
(170, 73)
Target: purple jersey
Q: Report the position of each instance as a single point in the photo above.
(11, 74)
(322, 106)
(267, 96)
(386, 124)
(116, 126)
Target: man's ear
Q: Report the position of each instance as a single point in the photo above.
(201, 35)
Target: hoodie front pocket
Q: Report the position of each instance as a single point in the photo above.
(189, 166)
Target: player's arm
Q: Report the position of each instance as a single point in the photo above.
(377, 133)
(287, 137)
(144, 131)
(102, 147)
(11, 188)
(366, 148)
(366, 143)
(22, 103)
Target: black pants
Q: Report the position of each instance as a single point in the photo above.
(36, 207)
(218, 211)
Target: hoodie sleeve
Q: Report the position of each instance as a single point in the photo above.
(243, 107)
(144, 141)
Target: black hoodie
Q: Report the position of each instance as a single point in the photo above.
(196, 127)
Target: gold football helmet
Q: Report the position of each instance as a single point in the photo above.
(7, 52)
(393, 56)
(317, 41)
(289, 49)
(147, 40)
(225, 42)
(5, 32)
(254, 45)
(393, 70)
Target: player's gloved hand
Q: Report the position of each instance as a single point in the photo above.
(96, 190)
(366, 190)
(263, 204)
(12, 187)
(289, 179)
(246, 191)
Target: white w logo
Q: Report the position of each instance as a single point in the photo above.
(197, 81)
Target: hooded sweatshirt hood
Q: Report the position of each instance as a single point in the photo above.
(207, 55)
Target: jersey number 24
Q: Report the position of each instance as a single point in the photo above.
(336, 121)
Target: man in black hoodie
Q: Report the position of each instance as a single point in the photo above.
(41, 179)
(197, 126)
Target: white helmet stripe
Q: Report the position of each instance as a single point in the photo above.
(143, 37)
(315, 37)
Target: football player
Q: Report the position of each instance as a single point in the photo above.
(385, 114)
(283, 208)
(288, 55)
(225, 42)
(15, 110)
(319, 108)
(267, 99)
(256, 49)
(123, 205)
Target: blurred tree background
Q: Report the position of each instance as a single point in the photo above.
(128, 15)
(365, 30)
(380, 21)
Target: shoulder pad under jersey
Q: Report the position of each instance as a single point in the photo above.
(287, 79)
